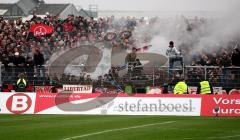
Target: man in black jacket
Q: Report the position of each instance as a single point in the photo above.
(235, 57)
(19, 62)
(39, 61)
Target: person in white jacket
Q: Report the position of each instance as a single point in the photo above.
(173, 55)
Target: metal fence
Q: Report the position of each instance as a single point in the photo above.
(228, 78)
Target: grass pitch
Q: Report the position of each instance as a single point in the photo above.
(66, 127)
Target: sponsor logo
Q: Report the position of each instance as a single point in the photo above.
(43, 89)
(159, 106)
(234, 92)
(40, 31)
(226, 106)
(78, 88)
(18, 103)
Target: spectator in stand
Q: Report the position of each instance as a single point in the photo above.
(81, 78)
(130, 60)
(5, 60)
(39, 61)
(138, 68)
(113, 73)
(173, 55)
(73, 80)
(88, 80)
(19, 61)
(235, 57)
(29, 66)
(131, 57)
(55, 79)
(225, 60)
(99, 82)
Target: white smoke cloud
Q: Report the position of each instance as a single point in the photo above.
(207, 34)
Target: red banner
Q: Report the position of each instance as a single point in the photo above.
(41, 29)
(44, 102)
(220, 105)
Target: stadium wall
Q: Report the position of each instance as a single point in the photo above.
(119, 104)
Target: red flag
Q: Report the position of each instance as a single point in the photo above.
(145, 48)
(142, 49)
(67, 27)
(40, 30)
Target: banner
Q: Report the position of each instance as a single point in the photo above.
(78, 88)
(38, 30)
(17, 103)
(43, 89)
(220, 105)
(234, 92)
(119, 104)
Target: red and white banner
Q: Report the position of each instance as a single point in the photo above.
(17, 103)
(41, 29)
(78, 88)
(43, 89)
(220, 105)
(120, 104)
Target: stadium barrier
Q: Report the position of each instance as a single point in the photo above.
(227, 78)
(120, 104)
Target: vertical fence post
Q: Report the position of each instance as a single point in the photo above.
(0, 72)
(183, 71)
(205, 72)
(153, 84)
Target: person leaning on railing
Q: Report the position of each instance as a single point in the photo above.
(130, 59)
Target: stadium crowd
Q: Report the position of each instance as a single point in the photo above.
(28, 53)
(14, 35)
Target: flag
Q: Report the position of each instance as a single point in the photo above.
(38, 30)
(67, 27)
(144, 48)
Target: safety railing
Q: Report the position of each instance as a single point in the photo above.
(227, 78)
